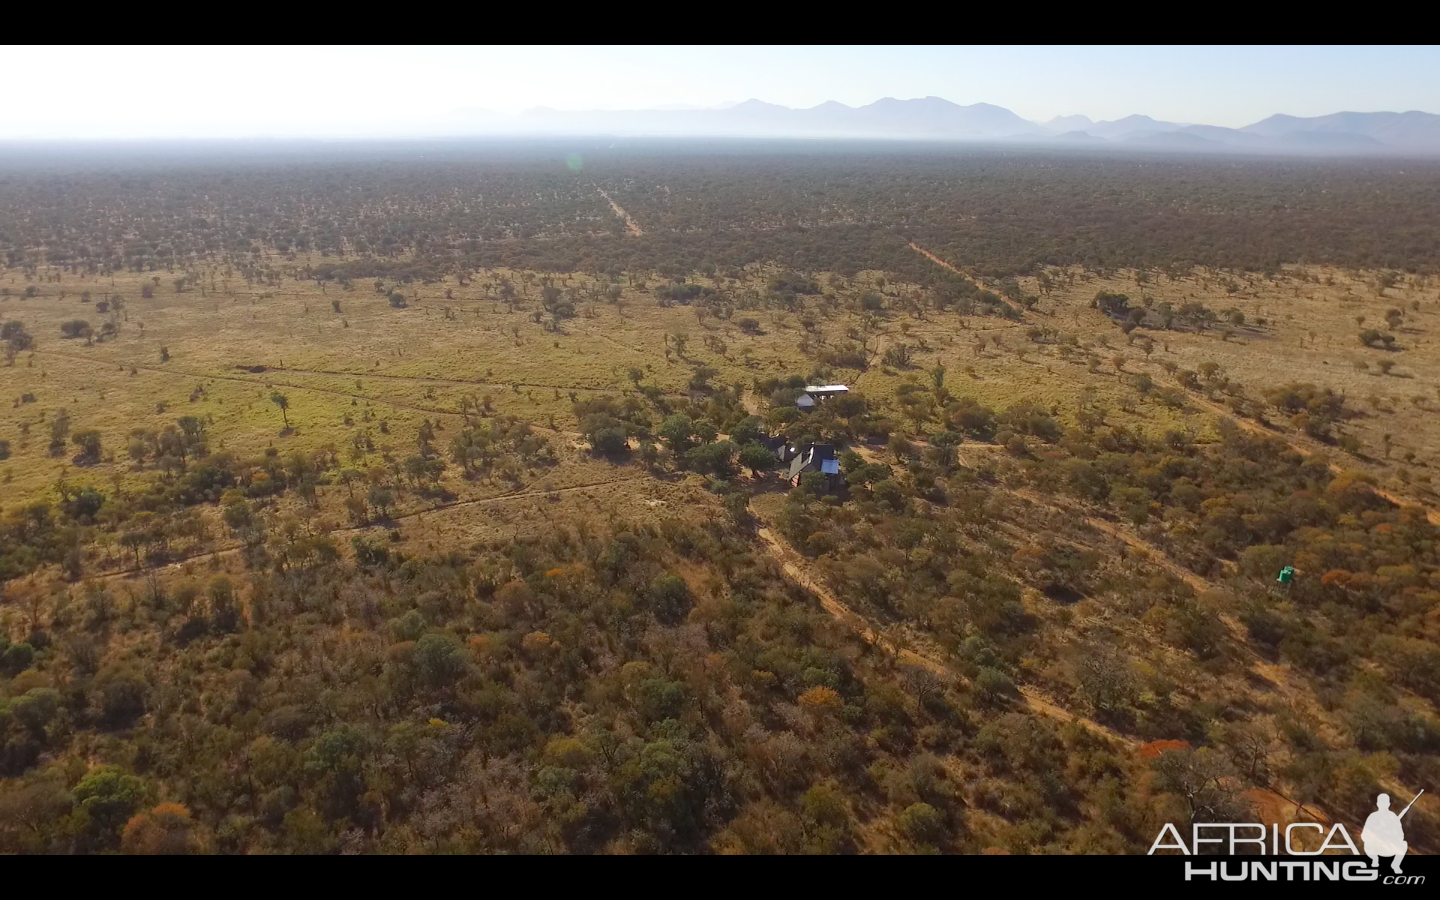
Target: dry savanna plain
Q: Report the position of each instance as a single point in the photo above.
(348, 363)
(306, 558)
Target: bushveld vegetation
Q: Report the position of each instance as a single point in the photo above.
(379, 504)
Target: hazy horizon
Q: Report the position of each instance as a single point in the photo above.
(375, 92)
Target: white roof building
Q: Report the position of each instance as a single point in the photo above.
(826, 390)
(814, 393)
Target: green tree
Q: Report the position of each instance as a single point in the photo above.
(337, 763)
(122, 697)
(670, 598)
(107, 798)
(715, 458)
(749, 430)
(382, 498)
(89, 443)
(757, 458)
(440, 659)
(677, 432)
(283, 402)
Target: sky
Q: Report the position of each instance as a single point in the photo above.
(141, 92)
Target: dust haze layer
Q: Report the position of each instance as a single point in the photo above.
(935, 118)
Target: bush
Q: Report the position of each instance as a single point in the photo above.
(122, 701)
(669, 599)
(609, 441)
(993, 685)
(89, 443)
(1031, 419)
(17, 658)
(108, 798)
(922, 823)
(1371, 337)
(1116, 306)
(846, 357)
(968, 416)
(439, 660)
(897, 356)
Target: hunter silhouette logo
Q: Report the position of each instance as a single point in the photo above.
(1384, 835)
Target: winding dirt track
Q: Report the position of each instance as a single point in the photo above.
(1276, 674)
(419, 513)
(796, 569)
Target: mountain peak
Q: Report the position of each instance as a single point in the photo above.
(754, 105)
(1412, 129)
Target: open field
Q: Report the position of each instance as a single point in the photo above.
(371, 363)
(1311, 335)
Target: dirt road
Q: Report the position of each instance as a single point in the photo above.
(796, 568)
(1431, 515)
(945, 265)
(633, 228)
(414, 514)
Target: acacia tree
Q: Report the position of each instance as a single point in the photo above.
(15, 339)
(89, 443)
(283, 402)
(1204, 780)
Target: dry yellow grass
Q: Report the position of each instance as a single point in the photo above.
(373, 363)
(1311, 335)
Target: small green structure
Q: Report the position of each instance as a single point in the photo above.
(1286, 575)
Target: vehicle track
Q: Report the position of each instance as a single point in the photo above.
(945, 265)
(1431, 515)
(1129, 538)
(796, 569)
(414, 514)
(463, 381)
(1277, 674)
(268, 382)
(630, 224)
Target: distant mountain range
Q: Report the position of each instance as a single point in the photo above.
(938, 119)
